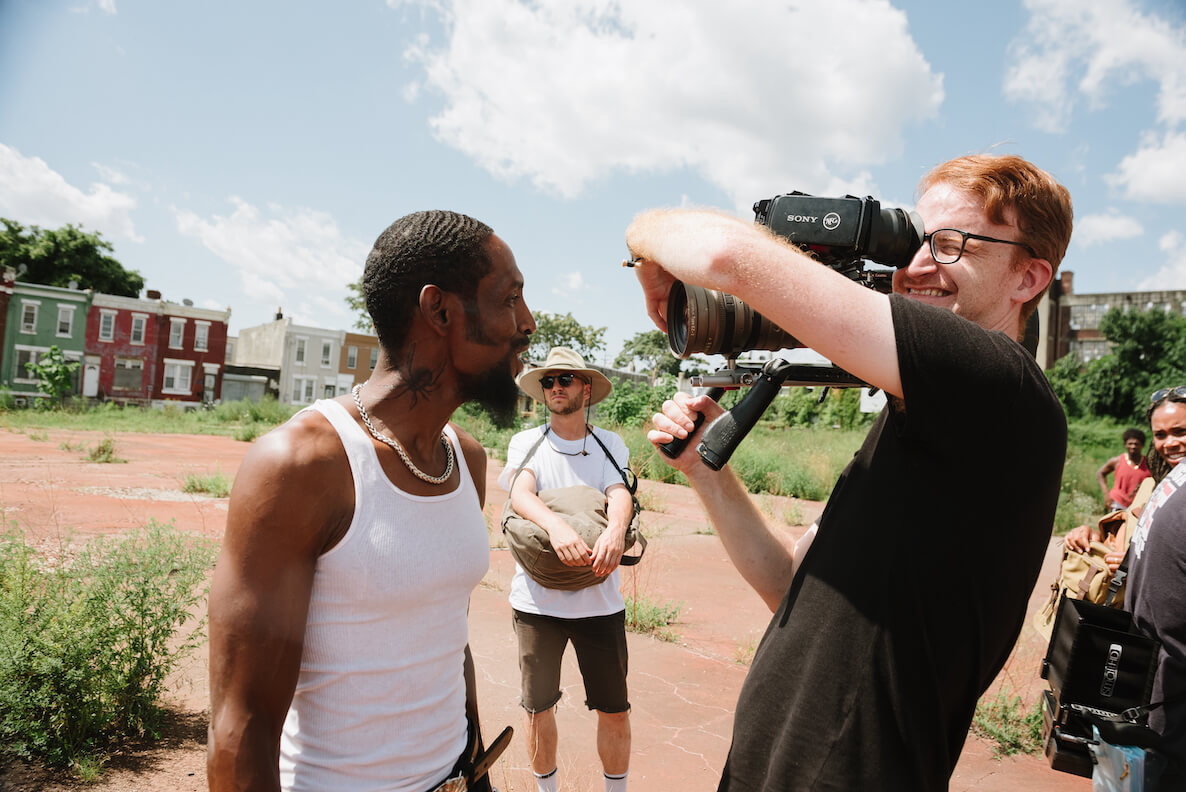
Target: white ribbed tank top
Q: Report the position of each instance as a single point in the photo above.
(379, 703)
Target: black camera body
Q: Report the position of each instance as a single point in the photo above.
(841, 233)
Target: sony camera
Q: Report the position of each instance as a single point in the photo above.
(841, 233)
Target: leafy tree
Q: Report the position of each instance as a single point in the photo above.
(564, 330)
(651, 350)
(357, 303)
(55, 375)
(54, 257)
(1148, 352)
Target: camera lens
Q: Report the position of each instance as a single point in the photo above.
(711, 322)
(895, 237)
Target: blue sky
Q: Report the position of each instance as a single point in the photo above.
(247, 153)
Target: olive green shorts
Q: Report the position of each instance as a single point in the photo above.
(600, 645)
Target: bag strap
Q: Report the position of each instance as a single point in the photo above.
(526, 459)
(1118, 578)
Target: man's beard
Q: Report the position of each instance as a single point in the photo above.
(574, 405)
(495, 390)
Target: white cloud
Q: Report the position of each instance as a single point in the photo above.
(753, 96)
(107, 6)
(281, 254)
(1110, 226)
(1173, 274)
(32, 193)
(110, 174)
(569, 284)
(1074, 49)
(1156, 172)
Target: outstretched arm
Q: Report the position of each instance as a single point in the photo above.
(844, 321)
(762, 556)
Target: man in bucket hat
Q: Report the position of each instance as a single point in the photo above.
(593, 618)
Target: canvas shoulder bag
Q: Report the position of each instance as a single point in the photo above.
(1084, 576)
(584, 509)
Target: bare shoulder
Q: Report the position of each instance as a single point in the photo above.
(296, 476)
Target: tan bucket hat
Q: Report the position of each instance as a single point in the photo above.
(564, 359)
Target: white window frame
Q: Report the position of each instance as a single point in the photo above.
(30, 327)
(327, 353)
(329, 390)
(19, 373)
(374, 357)
(303, 389)
(66, 311)
(142, 319)
(138, 367)
(179, 367)
(202, 335)
(176, 327)
(300, 354)
(107, 315)
(351, 357)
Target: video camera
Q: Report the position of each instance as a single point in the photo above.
(841, 233)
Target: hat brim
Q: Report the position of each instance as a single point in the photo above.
(600, 386)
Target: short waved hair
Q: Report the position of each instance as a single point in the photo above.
(442, 248)
(1015, 191)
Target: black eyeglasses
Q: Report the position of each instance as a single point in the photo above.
(947, 244)
(564, 379)
(1160, 395)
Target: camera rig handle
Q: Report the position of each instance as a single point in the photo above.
(676, 446)
(723, 435)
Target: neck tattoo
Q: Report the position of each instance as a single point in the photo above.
(399, 449)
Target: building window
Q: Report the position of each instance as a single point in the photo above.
(351, 357)
(66, 321)
(29, 317)
(329, 392)
(106, 325)
(176, 333)
(178, 376)
(139, 321)
(300, 351)
(326, 351)
(25, 357)
(302, 389)
(374, 357)
(129, 374)
(201, 336)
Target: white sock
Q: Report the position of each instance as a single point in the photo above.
(615, 783)
(546, 782)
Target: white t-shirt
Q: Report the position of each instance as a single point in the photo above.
(553, 468)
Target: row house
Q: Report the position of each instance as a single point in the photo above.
(307, 358)
(360, 355)
(153, 351)
(7, 284)
(37, 318)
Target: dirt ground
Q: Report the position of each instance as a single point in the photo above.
(682, 691)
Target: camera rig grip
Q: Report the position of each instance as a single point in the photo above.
(723, 435)
(676, 446)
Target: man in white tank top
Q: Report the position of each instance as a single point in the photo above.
(570, 452)
(339, 654)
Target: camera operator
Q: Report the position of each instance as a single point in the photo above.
(869, 673)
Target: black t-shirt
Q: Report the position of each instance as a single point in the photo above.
(915, 589)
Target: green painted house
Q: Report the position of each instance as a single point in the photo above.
(40, 317)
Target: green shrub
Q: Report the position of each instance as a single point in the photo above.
(1001, 718)
(87, 641)
(651, 618)
(214, 484)
(104, 451)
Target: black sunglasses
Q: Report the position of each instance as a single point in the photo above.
(564, 379)
(1158, 395)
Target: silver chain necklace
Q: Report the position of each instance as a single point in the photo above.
(399, 449)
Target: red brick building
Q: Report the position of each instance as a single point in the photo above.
(154, 351)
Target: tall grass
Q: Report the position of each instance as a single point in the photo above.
(88, 636)
(228, 419)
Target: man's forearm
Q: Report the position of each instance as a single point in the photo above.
(761, 556)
